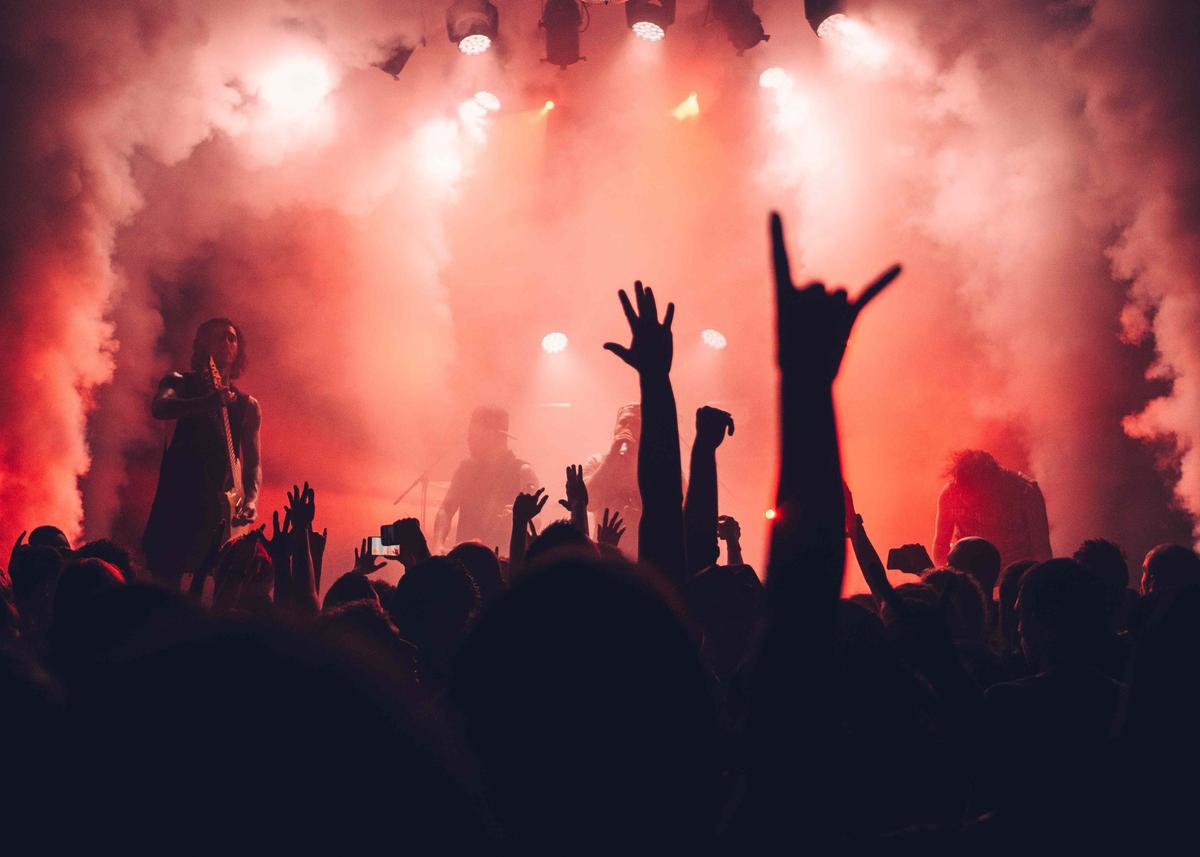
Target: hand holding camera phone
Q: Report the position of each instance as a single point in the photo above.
(911, 559)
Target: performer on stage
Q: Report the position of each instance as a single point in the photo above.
(987, 500)
(611, 476)
(186, 518)
(484, 486)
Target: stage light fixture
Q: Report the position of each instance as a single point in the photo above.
(649, 20)
(554, 343)
(563, 21)
(472, 25)
(742, 24)
(821, 15)
(713, 338)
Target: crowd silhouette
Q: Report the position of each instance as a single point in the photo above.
(570, 698)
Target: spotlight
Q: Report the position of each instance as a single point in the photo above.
(742, 25)
(714, 339)
(820, 14)
(472, 25)
(562, 21)
(649, 20)
(554, 343)
(775, 78)
(689, 108)
(487, 101)
(546, 108)
(769, 514)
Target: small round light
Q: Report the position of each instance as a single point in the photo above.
(713, 338)
(649, 31)
(774, 78)
(831, 25)
(554, 343)
(476, 44)
(547, 107)
(769, 514)
(487, 101)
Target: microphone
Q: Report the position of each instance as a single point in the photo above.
(624, 448)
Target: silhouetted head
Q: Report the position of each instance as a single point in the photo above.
(1009, 588)
(1061, 614)
(585, 700)
(237, 709)
(963, 602)
(973, 469)
(629, 422)
(222, 340)
(1169, 567)
(1107, 561)
(432, 606)
(363, 625)
(729, 603)
(562, 537)
(979, 558)
(350, 587)
(483, 565)
(487, 433)
(81, 581)
(50, 537)
(110, 552)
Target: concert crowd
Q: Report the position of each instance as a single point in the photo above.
(570, 693)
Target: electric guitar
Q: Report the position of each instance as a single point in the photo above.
(233, 498)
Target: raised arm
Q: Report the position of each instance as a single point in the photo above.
(660, 473)
(700, 511)
(807, 547)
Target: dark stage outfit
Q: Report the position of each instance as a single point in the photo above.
(186, 515)
(482, 492)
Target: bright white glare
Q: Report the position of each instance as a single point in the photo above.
(830, 25)
(476, 44)
(775, 78)
(769, 514)
(439, 152)
(649, 31)
(487, 101)
(857, 42)
(546, 108)
(554, 343)
(713, 338)
(689, 108)
(294, 88)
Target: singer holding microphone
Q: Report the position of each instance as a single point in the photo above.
(611, 476)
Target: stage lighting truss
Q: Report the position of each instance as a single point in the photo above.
(473, 25)
(824, 15)
(649, 20)
(741, 23)
(563, 21)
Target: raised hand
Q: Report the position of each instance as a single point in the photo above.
(652, 346)
(711, 425)
(728, 529)
(610, 530)
(813, 325)
(411, 541)
(364, 561)
(526, 507)
(301, 507)
(577, 493)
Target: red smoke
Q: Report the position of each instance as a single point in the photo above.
(395, 260)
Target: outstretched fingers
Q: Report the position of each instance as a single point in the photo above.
(779, 257)
(878, 285)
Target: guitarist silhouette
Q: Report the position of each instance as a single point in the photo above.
(212, 469)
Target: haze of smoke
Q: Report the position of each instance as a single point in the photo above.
(387, 282)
